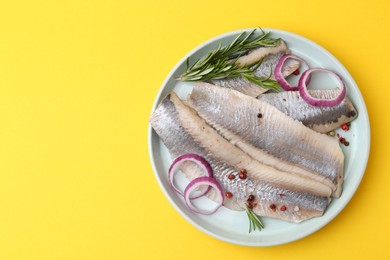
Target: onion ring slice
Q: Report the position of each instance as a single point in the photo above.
(202, 181)
(279, 75)
(198, 160)
(302, 86)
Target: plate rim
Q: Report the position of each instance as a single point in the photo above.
(310, 230)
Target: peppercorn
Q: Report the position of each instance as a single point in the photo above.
(251, 198)
(283, 208)
(229, 195)
(342, 140)
(296, 72)
(231, 176)
(345, 127)
(259, 115)
(242, 174)
(273, 207)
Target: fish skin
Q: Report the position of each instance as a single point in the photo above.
(270, 56)
(240, 84)
(183, 131)
(267, 67)
(320, 119)
(286, 141)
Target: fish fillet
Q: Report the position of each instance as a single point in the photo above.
(183, 131)
(269, 136)
(320, 119)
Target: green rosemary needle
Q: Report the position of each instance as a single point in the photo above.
(220, 63)
(254, 220)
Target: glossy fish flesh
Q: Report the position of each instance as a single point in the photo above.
(270, 56)
(320, 119)
(259, 53)
(183, 131)
(269, 136)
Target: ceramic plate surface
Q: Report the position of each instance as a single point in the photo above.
(232, 226)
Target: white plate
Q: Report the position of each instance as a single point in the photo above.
(232, 226)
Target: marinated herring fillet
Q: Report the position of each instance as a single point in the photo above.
(269, 136)
(183, 131)
(320, 119)
(270, 56)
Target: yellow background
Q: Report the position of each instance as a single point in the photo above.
(77, 83)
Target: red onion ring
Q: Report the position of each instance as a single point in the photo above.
(198, 182)
(302, 85)
(279, 75)
(198, 160)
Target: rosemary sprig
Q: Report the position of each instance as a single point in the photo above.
(226, 69)
(254, 220)
(219, 63)
(240, 44)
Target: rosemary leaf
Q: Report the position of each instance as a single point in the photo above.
(219, 64)
(254, 220)
(250, 222)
